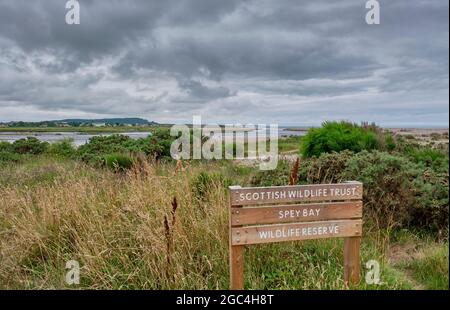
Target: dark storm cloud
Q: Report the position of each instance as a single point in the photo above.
(200, 91)
(284, 61)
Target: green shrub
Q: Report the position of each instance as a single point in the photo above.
(327, 168)
(7, 154)
(30, 145)
(389, 191)
(429, 157)
(102, 145)
(118, 162)
(157, 145)
(5, 147)
(336, 137)
(8, 157)
(398, 192)
(63, 148)
(276, 177)
(390, 142)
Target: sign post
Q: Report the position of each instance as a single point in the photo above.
(286, 213)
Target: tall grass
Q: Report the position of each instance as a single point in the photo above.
(114, 228)
(145, 229)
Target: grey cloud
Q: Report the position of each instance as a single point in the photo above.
(287, 60)
(202, 92)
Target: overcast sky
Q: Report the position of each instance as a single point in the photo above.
(274, 61)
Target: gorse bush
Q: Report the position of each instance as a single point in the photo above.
(13, 152)
(390, 142)
(157, 146)
(6, 157)
(340, 136)
(436, 159)
(398, 192)
(389, 191)
(7, 154)
(327, 168)
(276, 177)
(94, 151)
(30, 145)
(5, 147)
(63, 148)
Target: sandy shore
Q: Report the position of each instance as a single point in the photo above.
(434, 136)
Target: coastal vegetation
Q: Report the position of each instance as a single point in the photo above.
(134, 218)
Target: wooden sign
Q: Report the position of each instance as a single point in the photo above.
(307, 212)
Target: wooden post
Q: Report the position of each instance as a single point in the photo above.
(237, 267)
(351, 260)
(236, 255)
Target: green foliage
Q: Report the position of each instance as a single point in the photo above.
(118, 162)
(389, 191)
(157, 145)
(336, 137)
(390, 142)
(101, 145)
(398, 192)
(7, 154)
(30, 145)
(63, 148)
(5, 147)
(275, 177)
(436, 159)
(7, 157)
(327, 168)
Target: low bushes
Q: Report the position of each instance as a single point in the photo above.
(99, 151)
(6, 157)
(398, 192)
(98, 147)
(431, 158)
(63, 148)
(275, 177)
(157, 146)
(30, 145)
(13, 152)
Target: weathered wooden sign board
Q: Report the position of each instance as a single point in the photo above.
(287, 213)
